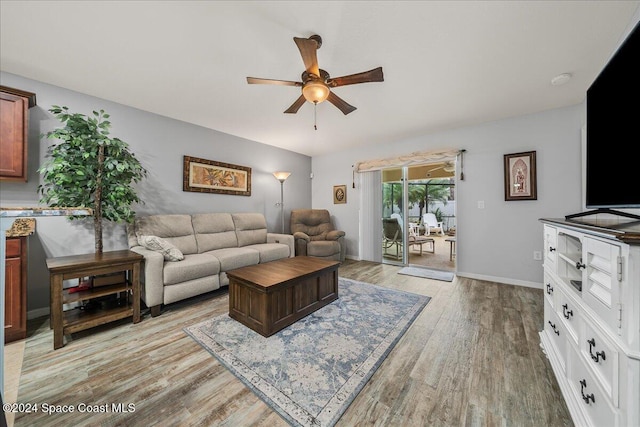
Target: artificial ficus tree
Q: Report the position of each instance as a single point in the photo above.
(88, 168)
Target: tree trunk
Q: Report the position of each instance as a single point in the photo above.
(97, 203)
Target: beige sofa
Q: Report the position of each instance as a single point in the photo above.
(206, 245)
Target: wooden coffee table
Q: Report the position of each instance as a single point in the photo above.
(271, 296)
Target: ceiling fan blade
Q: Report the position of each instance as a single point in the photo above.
(340, 103)
(256, 80)
(308, 49)
(296, 105)
(374, 75)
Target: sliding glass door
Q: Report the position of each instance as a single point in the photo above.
(418, 215)
(394, 246)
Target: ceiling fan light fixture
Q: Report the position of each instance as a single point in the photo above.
(315, 91)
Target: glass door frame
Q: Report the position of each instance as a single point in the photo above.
(404, 215)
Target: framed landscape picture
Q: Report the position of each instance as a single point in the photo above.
(208, 176)
(520, 176)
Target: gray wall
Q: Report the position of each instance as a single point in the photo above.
(497, 242)
(159, 143)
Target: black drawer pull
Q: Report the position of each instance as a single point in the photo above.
(554, 328)
(566, 313)
(580, 265)
(587, 397)
(549, 289)
(599, 354)
(551, 249)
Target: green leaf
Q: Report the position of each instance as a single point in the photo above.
(71, 164)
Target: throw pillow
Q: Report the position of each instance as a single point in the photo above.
(155, 243)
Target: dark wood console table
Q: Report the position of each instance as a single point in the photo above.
(79, 266)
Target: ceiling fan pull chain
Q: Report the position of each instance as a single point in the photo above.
(315, 117)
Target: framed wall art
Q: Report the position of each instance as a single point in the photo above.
(520, 176)
(339, 194)
(208, 176)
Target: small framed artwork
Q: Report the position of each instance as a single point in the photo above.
(208, 176)
(520, 176)
(339, 194)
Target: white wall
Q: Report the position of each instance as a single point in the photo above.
(497, 242)
(159, 143)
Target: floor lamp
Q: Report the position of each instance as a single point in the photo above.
(282, 177)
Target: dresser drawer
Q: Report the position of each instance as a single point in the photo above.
(602, 357)
(569, 313)
(558, 337)
(550, 288)
(14, 248)
(593, 402)
(550, 247)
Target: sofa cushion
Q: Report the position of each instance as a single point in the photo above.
(271, 251)
(251, 228)
(158, 244)
(176, 229)
(192, 267)
(214, 231)
(231, 258)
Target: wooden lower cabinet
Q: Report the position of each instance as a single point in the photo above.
(15, 310)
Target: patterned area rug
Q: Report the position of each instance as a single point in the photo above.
(311, 371)
(428, 273)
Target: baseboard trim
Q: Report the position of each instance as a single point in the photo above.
(38, 312)
(506, 281)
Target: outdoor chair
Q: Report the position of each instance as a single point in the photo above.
(431, 223)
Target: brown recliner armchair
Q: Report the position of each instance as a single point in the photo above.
(315, 236)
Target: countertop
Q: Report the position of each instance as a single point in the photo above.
(21, 227)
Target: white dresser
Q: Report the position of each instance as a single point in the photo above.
(591, 329)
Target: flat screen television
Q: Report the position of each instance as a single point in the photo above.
(613, 130)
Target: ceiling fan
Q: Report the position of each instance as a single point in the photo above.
(316, 83)
(446, 166)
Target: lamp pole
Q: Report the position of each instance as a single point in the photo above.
(282, 177)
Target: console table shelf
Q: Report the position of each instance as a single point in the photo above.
(94, 293)
(77, 320)
(78, 266)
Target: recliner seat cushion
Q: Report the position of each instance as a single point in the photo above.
(192, 267)
(323, 248)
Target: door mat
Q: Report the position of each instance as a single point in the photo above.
(427, 273)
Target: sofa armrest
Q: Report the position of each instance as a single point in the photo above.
(286, 239)
(152, 276)
(335, 234)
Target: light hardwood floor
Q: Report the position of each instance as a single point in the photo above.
(472, 358)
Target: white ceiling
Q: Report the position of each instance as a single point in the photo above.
(446, 64)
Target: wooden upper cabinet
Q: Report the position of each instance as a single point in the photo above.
(14, 130)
